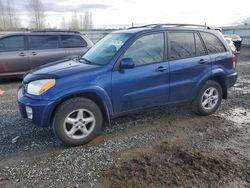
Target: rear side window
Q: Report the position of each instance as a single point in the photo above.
(181, 45)
(73, 41)
(200, 50)
(147, 49)
(213, 44)
(14, 43)
(39, 42)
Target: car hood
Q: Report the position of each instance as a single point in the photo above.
(58, 69)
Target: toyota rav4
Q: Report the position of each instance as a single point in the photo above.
(128, 71)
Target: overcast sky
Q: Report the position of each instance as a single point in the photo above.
(124, 12)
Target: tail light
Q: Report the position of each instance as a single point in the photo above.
(234, 59)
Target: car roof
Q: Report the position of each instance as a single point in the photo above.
(42, 33)
(167, 27)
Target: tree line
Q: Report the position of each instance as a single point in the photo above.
(78, 22)
(10, 21)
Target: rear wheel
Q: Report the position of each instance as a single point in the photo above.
(77, 121)
(208, 99)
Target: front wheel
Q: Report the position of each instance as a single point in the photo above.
(77, 121)
(208, 99)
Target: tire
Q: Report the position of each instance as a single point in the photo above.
(206, 102)
(77, 121)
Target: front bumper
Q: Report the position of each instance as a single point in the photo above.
(41, 109)
(231, 79)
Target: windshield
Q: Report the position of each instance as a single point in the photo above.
(103, 51)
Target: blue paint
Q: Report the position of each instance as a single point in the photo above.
(133, 88)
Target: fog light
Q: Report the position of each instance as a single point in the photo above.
(29, 112)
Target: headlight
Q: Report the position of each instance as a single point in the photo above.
(39, 87)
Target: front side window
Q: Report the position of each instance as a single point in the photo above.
(213, 44)
(147, 49)
(14, 43)
(181, 45)
(40, 42)
(73, 41)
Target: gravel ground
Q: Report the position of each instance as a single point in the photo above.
(32, 157)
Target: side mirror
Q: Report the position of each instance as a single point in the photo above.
(127, 63)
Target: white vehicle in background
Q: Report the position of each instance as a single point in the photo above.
(231, 44)
(237, 40)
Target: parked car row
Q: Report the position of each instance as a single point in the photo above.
(21, 52)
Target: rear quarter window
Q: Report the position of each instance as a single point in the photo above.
(73, 41)
(213, 43)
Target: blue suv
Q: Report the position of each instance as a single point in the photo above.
(127, 71)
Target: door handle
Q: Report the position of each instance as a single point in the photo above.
(202, 61)
(33, 53)
(22, 54)
(161, 69)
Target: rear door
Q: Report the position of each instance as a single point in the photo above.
(188, 63)
(218, 53)
(13, 55)
(44, 49)
(74, 45)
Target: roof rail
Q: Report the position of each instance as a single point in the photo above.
(172, 25)
(56, 30)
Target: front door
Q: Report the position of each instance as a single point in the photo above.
(147, 84)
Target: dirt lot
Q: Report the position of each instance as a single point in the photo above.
(166, 147)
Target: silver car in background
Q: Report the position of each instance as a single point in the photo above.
(21, 52)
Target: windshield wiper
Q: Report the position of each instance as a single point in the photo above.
(88, 61)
